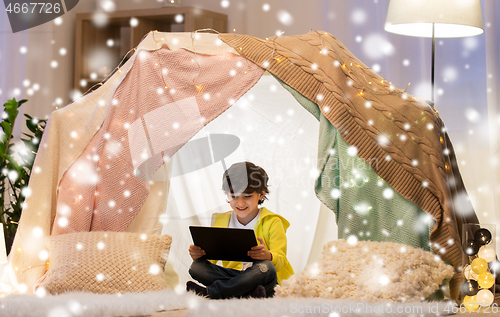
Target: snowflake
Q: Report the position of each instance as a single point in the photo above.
(75, 307)
(376, 46)
(388, 193)
(472, 115)
(285, 17)
(335, 193)
(26, 191)
(352, 151)
(62, 222)
(314, 270)
(99, 277)
(384, 280)
(43, 255)
(358, 16)
(352, 240)
(382, 140)
(450, 74)
(134, 22)
(154, 269)
(40, 292)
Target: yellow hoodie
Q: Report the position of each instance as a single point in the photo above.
(271, 228)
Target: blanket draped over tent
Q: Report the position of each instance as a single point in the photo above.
(98, 156)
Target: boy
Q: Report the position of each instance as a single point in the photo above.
(245, 185)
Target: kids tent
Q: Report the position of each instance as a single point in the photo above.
(124, 157)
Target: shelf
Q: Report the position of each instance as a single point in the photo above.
(99, 50)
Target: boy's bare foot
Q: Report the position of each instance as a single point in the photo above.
(199, 290)
(258, 292)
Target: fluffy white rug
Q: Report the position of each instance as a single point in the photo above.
(143, 304)
(94, 305)
(315, 307)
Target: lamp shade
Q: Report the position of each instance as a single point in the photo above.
(451, 18)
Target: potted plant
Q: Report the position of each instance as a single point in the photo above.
(16, 163)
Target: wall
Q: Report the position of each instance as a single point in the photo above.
(462, 78)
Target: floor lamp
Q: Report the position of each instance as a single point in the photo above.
(434, 19)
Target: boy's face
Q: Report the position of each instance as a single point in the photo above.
(246, 205)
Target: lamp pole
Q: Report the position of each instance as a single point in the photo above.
(432, 62)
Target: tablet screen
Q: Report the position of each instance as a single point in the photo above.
(227, 244)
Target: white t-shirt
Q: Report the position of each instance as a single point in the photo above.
(234, 223)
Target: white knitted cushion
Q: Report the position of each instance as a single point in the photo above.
(106, 262)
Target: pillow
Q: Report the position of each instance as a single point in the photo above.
(106, 262)
(369, 271)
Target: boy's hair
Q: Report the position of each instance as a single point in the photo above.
(245, 177)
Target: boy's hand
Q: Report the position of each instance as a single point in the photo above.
(260, 252)
(196, 252)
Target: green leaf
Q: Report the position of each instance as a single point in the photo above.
(11, 108)
(27, 143)
(32, 124)
(6, 127)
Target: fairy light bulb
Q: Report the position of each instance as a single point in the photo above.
(487, 253)
(479, 266)
(485, 280)
(470, 303)
(485, 297)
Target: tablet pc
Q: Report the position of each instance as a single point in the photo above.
(225, 244)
